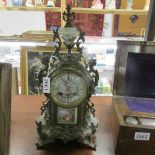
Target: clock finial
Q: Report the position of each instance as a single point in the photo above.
(68, 17)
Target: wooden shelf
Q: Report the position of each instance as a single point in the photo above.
(77, 10)
(109, 11)
(24, 8)
(26, 109)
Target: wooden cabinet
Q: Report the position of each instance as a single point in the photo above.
(126, 26)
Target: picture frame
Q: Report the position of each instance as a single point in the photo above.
(30, 63)
(30, 66)
(67, 116)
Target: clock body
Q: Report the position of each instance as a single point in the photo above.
(68, 109)
(70, 87)
(67, 113)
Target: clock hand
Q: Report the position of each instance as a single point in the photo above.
(75, 93)
(66, 83)
(60, 93)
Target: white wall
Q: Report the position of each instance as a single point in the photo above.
(17, 22)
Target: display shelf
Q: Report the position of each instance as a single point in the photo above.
(103, 94)
(76, 10)
(22, 42)
(105, 67)
(37, 8)
(109, 11)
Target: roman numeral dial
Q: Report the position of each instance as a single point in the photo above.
(68, 89)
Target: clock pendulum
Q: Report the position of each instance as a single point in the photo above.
(68, 82)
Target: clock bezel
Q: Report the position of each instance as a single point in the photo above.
(85, 84)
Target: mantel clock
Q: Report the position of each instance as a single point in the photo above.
(68, 82)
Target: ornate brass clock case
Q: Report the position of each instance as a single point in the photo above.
(67, 113)
(69, 86)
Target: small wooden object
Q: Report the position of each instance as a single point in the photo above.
(5, 107)
(124, 134)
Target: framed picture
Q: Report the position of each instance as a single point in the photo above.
(30, 66)
(67, 116)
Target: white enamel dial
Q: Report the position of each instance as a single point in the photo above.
(68, 89)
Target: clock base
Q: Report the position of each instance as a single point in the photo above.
(71, 145)
(83, 134)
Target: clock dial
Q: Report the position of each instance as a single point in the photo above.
(68, 89)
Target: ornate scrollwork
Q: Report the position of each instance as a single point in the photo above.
(90, 107)
(94, 72)
(43, 71)
(80, 40)
(44, 106)
(57, 39)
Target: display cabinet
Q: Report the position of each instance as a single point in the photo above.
(77, 9)
(11, 51)
(88, 14)
(131, 24)
(103, 50)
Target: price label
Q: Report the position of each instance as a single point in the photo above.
(46, 85)
(142, 136)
